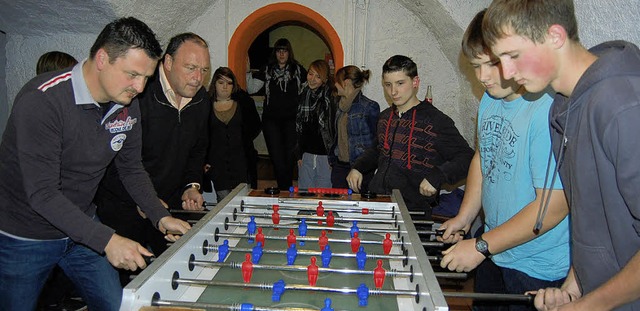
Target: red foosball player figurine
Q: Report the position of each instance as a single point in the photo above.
(330, 219)
(378, 275)
(275, 216)
(260, 236)
(247, 268)
(312, 272)
(323, 240)
(387, 244)
(320, 211)
(355, 243)
(291, 238)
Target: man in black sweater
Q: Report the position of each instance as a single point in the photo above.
(65, 128)
(175, 108)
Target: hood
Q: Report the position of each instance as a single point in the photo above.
(615, 59)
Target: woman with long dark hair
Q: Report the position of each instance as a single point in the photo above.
(282, 78)
(231, 161)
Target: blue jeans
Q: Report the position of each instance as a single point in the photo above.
(26, 264)
(491, 278)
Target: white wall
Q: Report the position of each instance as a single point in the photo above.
(23, 53)
(390, 29)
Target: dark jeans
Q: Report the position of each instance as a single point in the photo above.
(56, 289)
(25, 265)
(280, 137)
(491, 278)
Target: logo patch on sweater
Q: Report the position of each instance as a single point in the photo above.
(117, 142)
(122, 123)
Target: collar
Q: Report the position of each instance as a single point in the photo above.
(168, 91)
(81, 93)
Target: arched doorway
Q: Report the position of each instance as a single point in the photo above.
(267, 16)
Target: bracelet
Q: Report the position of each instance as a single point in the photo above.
(192, 185)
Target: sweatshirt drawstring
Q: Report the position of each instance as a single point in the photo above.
(413, 123)
(386, 132)
(386, 136)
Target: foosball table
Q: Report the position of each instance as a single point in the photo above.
(308, 250)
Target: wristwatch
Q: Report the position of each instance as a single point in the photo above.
(482, 247)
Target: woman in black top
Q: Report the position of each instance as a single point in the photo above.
(234, 124)
(282, 79)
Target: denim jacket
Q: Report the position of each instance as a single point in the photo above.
(361, 127)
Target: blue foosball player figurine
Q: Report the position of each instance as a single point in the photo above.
(223, 250)
(302, 229)
(363, 295)
(326, 256)
(327, 305)
(278, 290)
(354, 228)
(251, 228)
(292, 253)
(361, 258)
(256, 253)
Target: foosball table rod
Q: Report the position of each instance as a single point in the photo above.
(319, 253)
(296, 268)
(512, 298)
(392, 221)
(216, 306)
(217, 235)
(320, 228)
(341, 228)
(327, 208)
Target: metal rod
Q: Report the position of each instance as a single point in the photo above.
(491, 297)
(325, 203)
(297, 268)
(318, 253)
(372, 292)
(264, 286)
(314, 227)
(433, 244)
(216, 306)
(339, 228)
(323, 218)
(310, 208)
(423, 222)
(309, 239)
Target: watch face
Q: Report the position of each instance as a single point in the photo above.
(481, 246)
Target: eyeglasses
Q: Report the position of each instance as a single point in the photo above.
(281, 50)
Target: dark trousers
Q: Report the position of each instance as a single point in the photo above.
(125, 219)
(280, 136)
(491, 278)
(339, 172)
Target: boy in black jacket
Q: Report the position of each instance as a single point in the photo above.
(419, 148)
